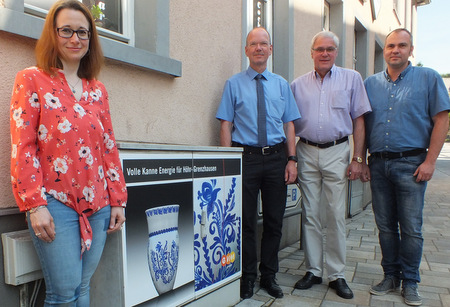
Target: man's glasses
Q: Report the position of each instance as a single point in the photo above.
(322, 50)
(68, 33)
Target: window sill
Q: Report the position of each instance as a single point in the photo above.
(30, 26)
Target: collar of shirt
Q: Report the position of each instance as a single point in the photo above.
(330, 73)
(401, 76)
(252, 73)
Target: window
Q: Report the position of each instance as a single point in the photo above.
(259, 14)
(109, 15)
(326, 16)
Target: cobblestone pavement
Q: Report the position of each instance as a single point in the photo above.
(364, 256)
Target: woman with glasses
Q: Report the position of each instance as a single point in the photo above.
(65, 167)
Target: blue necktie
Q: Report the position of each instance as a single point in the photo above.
(262, 114)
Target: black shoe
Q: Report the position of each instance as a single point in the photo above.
(270, 285)
(247, 288)
(341, 288)
(308, 281)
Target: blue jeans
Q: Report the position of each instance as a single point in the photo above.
(66, 274)
(398, 201)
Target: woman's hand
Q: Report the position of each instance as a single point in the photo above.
(42, 224)
(117, 219)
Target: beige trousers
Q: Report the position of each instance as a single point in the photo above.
(322, 173)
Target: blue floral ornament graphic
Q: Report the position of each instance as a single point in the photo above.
(216, 250)
(164, 262)
(208, 196)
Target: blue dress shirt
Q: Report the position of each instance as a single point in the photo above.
(239, 106)
(402, 109)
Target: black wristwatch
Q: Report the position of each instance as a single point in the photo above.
(292, 158)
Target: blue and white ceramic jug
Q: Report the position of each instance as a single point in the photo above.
(163, 246)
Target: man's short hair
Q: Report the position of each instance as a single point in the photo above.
(327, 34)
(268, 34)
(400, 30)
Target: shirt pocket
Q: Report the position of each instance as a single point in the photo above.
(340, 99)
(414, 93)
(276, 107)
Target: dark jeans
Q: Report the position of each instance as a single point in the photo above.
(265, 174)
(398, 201)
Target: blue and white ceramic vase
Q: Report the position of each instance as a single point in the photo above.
(163, 246)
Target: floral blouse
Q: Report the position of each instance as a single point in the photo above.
(64, 147)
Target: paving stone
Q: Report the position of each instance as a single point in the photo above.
(296, 301)
(439, 257)
(361, 298)
(360, 254)
(376, 303)
(373, 268)
(286, 279)
(336, 304)
(439, 267)
(290, 263)
(250, 303)
(316, 292)
(435, 281)
(445, 299)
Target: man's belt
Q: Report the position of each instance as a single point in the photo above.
(396, 155)
(324, 145)
(266, 150)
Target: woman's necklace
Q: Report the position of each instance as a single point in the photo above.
(73, 86)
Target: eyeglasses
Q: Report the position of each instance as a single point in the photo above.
(68, 33)
(322, 50)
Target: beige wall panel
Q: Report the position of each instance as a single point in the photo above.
(149, 107)
(16, 53)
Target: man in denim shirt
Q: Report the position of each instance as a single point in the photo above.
(405, 133)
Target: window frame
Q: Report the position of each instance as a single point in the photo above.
(251, 23)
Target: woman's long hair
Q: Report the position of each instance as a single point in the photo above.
(47, 53)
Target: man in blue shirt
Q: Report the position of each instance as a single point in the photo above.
(405, 133)
(269, 164)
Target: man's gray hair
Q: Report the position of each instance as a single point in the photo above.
(327, 34)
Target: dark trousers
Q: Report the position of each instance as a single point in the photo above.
(265, 173)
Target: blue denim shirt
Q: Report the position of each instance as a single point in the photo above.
(402, 109)
(239, 106)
